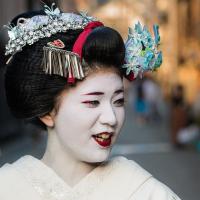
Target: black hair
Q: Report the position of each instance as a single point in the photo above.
(31, 93)
(104, 46)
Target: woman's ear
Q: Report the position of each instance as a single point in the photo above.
(48, 119)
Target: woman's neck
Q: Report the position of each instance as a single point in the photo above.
(65, 165)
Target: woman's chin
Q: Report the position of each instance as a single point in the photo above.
(98, 158)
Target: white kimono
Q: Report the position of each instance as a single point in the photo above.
(118, 179)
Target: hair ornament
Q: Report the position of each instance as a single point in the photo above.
(142, 52)
(61, 62)
(30, 30)
(56, 44)
(51, 11)
(67, 63)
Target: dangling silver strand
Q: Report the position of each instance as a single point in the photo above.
(49, 63)
(80, 68)
(66, 65)
(60, 64)
(8, 61)
(63, 63)
(73, 67)
(77, 67)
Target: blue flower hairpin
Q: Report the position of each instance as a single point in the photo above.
(142, 50)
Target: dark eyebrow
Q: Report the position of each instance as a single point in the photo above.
(101, 93)
(94, 93)
(119, 91)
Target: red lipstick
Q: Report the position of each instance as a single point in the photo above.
(103, 139)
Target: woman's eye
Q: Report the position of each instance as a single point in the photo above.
(92, 104)
(120, 102)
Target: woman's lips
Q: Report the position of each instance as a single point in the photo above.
(103, 139)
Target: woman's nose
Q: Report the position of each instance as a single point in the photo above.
(108, 116)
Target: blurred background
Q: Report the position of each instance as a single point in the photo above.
(162, 129)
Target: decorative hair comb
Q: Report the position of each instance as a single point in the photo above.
(142, 50)
(28, 31)
(62, 62)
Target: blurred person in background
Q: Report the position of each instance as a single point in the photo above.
(147, 100)
(141, 106)
(196, 114)
(179, 113)
(65, 74)
(153, 98)
(190, 135)
(196, 109)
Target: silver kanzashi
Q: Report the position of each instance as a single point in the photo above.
(28, 31)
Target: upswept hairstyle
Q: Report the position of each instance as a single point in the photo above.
(31, 93)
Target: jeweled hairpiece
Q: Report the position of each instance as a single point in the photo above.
(61, 62)
(142, 50)
(28, 31)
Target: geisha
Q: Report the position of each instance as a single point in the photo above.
(66, 75)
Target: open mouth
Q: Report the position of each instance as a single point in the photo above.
(103, 139)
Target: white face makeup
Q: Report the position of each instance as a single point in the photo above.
(96, 105)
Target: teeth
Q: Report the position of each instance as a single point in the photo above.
(100, 139)
(104, 136)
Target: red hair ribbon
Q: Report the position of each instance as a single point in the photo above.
(78, 45)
